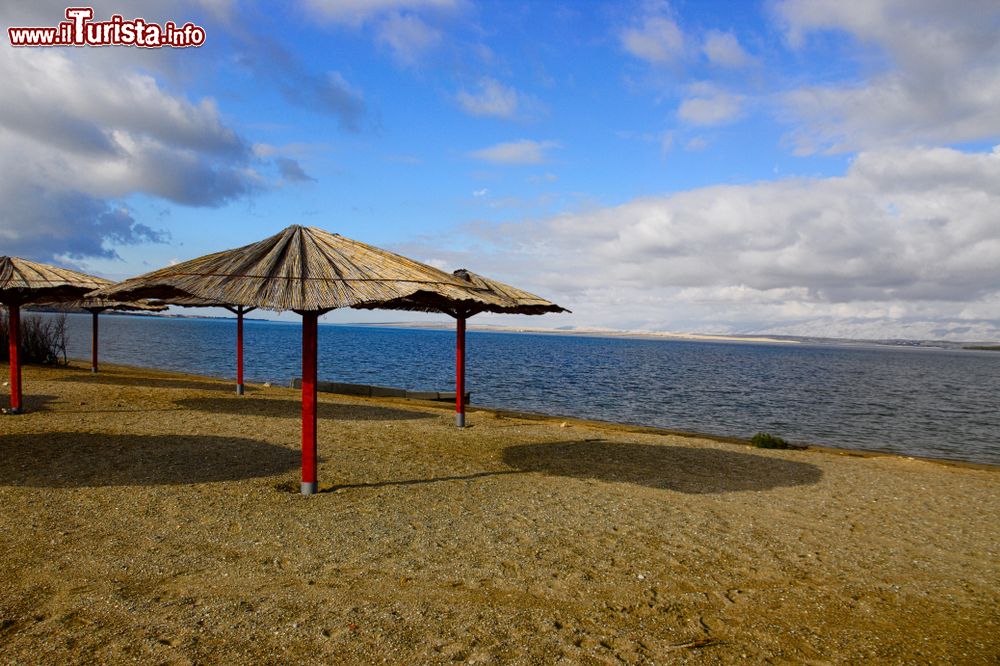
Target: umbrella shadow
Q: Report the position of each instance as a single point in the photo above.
(89, 460)
(292, 409)
(31, 402)
(151, 382)
(688, 470)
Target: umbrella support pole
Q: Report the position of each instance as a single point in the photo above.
(309, 331)
(93, 341)
(239, 311)
(460, 372)
(13, 335)
(239, 351)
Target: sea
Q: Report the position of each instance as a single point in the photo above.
(914, 401)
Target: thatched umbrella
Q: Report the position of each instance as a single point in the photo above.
(309, 271)
(95, 306)
(23, 282)
(494, 296)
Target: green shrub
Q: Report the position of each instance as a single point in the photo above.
(43, 339)
(765, 440)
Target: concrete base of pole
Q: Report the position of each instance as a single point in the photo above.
(13, 412)
(460, 419)
(93, 369)
(239, 389)
(310, 488)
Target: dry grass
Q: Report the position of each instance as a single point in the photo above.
(146, 517)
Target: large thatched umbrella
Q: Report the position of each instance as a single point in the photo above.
(23, 282)
(494, 296)
(308, 271)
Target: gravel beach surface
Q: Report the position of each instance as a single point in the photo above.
(151, 517)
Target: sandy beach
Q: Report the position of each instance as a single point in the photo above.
(154, 517)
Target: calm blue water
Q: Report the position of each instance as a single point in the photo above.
(934, 403)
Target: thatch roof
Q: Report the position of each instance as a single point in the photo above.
(300, 268)
(515, 300)
(23, 281)
(190, 302)
(494, 296)
(102, 304)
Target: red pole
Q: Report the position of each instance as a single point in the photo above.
(309, 483)
(13, 333)
(460, 372)
(93, 341)
(239, 350)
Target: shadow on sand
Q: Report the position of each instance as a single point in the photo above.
(30, 402)
(292, 409)
(139, 381)
(686, 470)
(87, 460)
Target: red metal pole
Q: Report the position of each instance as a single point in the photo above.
(13, 334)
(309, 482)
(239, 350)
(93, 341)
(460, 372)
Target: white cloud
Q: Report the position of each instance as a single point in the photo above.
(524, 151)
(657, 39)
(710, 106)
(544, 178)
(88, 133)
(940, 83)
(399, 25)
(357, 12)
(666, 142)
(440, 264)
(723, 49)
(695, 144)
(492, 99)
(407, 36)
(906, 243)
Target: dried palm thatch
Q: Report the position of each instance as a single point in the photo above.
(23, 281)
(492, 296)
(103, 304)
(301, 268)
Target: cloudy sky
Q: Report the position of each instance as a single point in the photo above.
(818, 167)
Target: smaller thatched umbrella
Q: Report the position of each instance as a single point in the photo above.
(95, 306)
(23, 282)
(493, 296)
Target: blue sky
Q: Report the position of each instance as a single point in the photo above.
(803, 166)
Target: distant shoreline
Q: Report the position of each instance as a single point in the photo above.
(689, 337)
(587, 332)
(747, 338)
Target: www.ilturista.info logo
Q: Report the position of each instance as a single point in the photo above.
(80, 30)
